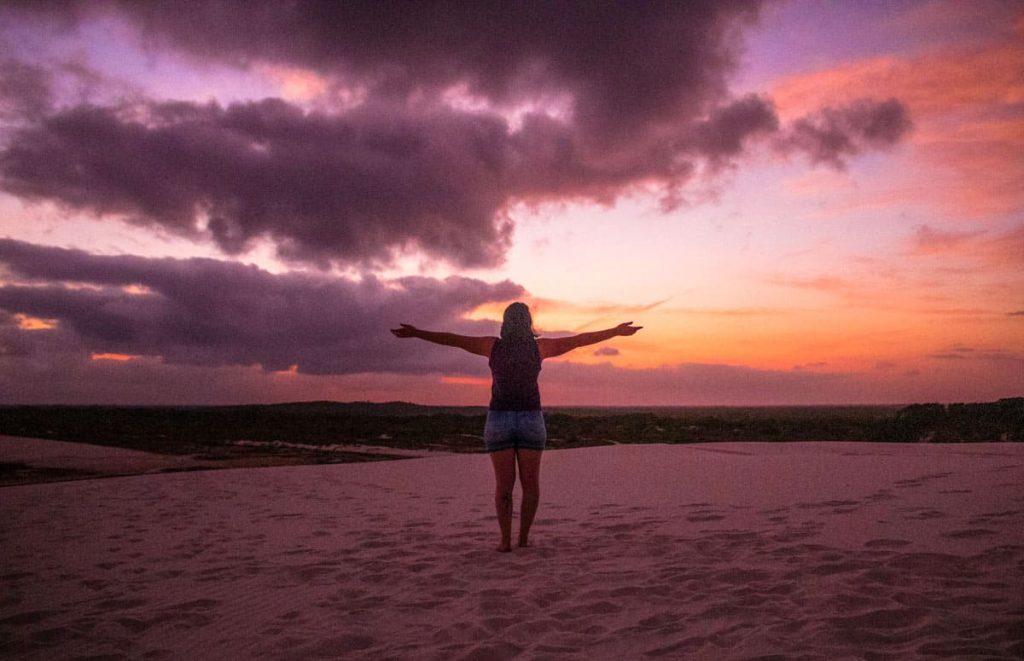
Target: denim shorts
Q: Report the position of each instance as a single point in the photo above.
(506, 430)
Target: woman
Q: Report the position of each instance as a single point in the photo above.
(514, 431)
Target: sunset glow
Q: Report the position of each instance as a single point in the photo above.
(32, 323)
(801, 203)
(117, 357)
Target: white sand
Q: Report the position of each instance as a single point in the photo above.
(722, 551)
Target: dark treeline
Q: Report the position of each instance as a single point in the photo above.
(189, 430)
(953, 423)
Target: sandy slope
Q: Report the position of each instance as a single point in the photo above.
(86, 458)
(719, 551)
(33, 460)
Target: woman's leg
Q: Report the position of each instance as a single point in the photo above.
(529, 478)
(504, 462)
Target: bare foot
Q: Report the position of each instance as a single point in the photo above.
(504, 547)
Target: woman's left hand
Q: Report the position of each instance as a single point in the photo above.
(627, 328)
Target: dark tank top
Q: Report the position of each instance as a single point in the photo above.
(515, 366)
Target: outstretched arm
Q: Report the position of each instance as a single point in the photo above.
(478, 345)
(550, 347)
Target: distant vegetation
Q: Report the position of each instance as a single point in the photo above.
(961, 423)
(192, 430)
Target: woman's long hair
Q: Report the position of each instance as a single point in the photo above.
(517, 322)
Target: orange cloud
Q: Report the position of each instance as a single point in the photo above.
(929, 241)
(116, 357)
(292, 371)
(26, 322)
(823, 283)
(1006, 249)
(466, 380)
(1000, 250)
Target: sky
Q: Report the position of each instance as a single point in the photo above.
(801, 202)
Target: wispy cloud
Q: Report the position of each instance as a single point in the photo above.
(998, 250)
(618, 313)
(985, 75)
(966, 352)
(930, 241)
(824, 283)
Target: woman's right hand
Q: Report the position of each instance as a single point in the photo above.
(405, 330)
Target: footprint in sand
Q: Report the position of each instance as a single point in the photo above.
(970, 533)
(988, 516)
(29, 617)
(337, 646)
(886, 543)
(923, 514)
(699, 518)
(921, 480)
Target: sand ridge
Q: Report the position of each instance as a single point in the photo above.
(32, 460)
(737, 550)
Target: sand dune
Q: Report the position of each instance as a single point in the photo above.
(85, 460)
(726, 551)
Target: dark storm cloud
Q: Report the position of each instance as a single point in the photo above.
(355, 187)
(645, 84)
(722, 135)
(833, 135)
(24, 90)
(625, 65)
(214, 313)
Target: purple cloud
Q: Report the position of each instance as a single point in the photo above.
(355, 188)
(624, 66)
(722, 135)
(833, 135)
(645, 87)
(24, 90)
(694, 383)
(965, 352)
(215, 313)
(61, 374)
(606, 351)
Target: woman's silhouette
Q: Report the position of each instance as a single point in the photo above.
(514, 431)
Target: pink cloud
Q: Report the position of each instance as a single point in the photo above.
(934, 83)
(929, 241)
(968, 138)
(996, 250)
